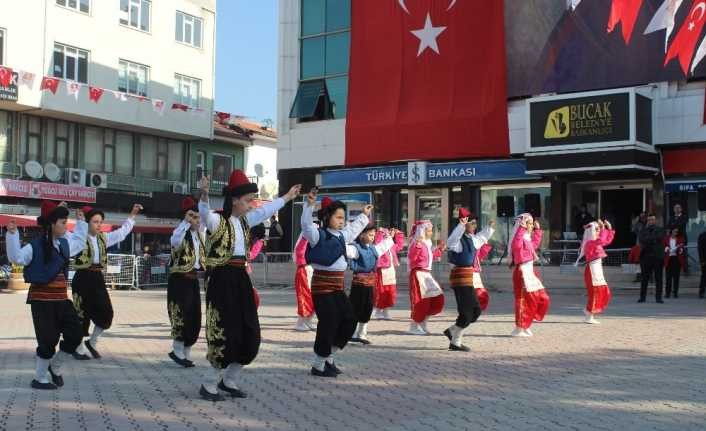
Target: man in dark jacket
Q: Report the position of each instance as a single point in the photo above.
(702, 259)
(651, 257)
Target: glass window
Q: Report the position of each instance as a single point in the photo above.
(312, 57)
(93, 148)
(123, 153)
(337, 47)
(187, 91)
(338, 14)
(188, 29)
(222, 167)
(5, 136)
(176, 161)
(179, 27)
(32, 144)
(133, 78)
(200, 164)
(313, 17)
(338, 93)
(70, 63)
(135, 13)
(108, 151)
(82, 5)
(62, 143)
(2, 46)
(148, 157)
(49, 152)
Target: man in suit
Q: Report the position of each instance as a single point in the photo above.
(651, 258)
(702, 259)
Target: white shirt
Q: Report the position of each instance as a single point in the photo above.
(381, 248)
(23, 255)
(254, 218)
(672, 246)
(350, 232)
(479, 239)
(178, 237)
(111, 238)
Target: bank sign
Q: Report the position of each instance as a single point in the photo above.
(422, 173)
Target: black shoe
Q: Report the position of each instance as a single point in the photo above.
(333, 368)
(461, 348)
(355, 340)
(667, 296)
(327, 372)
(640, 300)
(659, 301)
(234, 393)
(448, 334)
(92, 349)
(80, 356)
(364, 341)
(57, 379)
(189, 363)
(47, 386)
(676, 296)
(206, 395)
(183, 362)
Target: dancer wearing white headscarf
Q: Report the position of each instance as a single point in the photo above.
(531, 299)
(597, 235)
(425, 295)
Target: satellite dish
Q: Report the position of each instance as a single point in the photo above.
(52, 172)
(34, 169)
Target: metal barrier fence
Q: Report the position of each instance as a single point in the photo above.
(152, 271)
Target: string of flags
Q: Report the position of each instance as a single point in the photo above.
(9, 76)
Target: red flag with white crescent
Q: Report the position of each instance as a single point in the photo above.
(624, 12)
(685, 41)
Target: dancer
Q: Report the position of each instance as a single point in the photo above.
(183, 290)
(463, 244)
(88, 288)
(232, 324)
(363, 257)
(531, 299)
(302, 288)
(46, 266)
(386, 280)
(596, 235)
(326, 253)
(674, 260)
(425, 295)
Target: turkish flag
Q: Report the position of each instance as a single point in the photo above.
(50, 84)
(5, 76)
(427, 81)
(625, 12)
(95, 93)
(684, 42)
(180, 106)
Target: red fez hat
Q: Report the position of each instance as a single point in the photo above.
(188, 204)
(89, 212)
(325, 202)
(238, 184)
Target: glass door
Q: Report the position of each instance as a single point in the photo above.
(429, 206)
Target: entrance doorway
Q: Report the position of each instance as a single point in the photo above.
(619, 206)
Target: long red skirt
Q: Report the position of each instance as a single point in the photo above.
(385, 294)
(483, 297)
(305, 305)
(422, 307)
(598, 296)
(529, 306)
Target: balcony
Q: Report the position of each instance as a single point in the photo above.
(218, 180)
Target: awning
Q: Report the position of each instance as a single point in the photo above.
(684, 161)
(31, 221)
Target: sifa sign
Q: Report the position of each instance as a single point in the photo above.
(584, 120)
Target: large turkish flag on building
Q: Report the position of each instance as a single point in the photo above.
(427, 81)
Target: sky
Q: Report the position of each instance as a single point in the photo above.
(246, 58)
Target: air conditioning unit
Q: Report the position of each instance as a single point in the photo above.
(180, 188)
(97, 180)
(76, 177)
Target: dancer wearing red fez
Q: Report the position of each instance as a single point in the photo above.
(302, 288)
(425, 295)
(90, 294)
(232, 324)
(531, 299)
(464, 244)
(326, 253)
(386, 281)
(183, 291)
(596, 235)
(46, 266)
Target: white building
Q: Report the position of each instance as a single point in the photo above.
(145, 56)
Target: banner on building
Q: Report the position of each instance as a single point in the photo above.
(48, 191)
(427, 81)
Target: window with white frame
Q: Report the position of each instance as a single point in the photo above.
(2, 46)
(133, 78)
(135, 13)
(79, 5)
(187, 91)
(70, 63)
(188, 29)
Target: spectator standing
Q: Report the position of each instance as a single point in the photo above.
(651, 258)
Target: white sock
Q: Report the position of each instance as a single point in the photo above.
(178, 348)
(363, 331)
(41, 370)
(330, 359)
(356, 334)
(211, 379)
(97, 331)
(457, 335)
(229, 377)
(58, 361)
(187, 353)
(82, 350)
(319, 362)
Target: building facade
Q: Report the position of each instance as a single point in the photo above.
(616, 171)
(102, 111)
